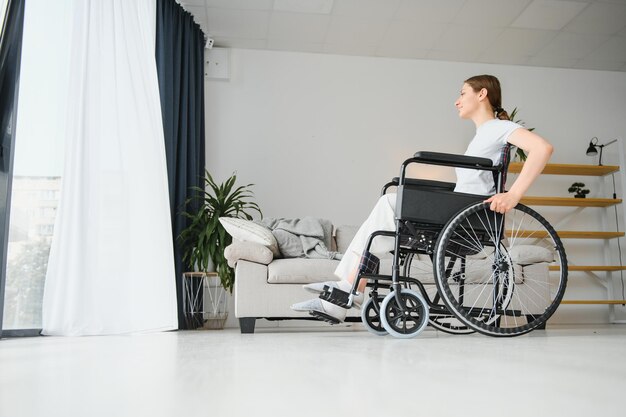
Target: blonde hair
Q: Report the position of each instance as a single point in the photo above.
(494, 93)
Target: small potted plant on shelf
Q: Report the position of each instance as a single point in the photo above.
(205, 239)
(519, 153)
(578, 189)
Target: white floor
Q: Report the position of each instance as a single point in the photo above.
(564, 371)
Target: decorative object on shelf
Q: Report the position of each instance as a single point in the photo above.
(205, 238)
(204, 301)
(592, 150)
(577, 188)
(519, 153)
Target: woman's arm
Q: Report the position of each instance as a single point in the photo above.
(539, 152)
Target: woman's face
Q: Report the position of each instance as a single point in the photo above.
(468, 102)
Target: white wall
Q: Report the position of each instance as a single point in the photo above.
(319, 134)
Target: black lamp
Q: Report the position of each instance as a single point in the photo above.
(592, 150)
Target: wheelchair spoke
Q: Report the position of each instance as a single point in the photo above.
(475, 243)
(514, 235)
(475, 234)
(488, 230)
(465, 246)
(476, 247)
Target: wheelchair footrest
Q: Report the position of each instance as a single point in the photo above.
(324, 317)
(336, 296)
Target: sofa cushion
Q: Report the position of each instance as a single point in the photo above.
(343, 236)
(249, 251)
(531, 254)
(301, 271)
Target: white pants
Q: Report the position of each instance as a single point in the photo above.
(382, 217)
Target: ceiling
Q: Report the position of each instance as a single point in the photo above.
(589, 34)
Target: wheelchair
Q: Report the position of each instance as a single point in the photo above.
(496, 274)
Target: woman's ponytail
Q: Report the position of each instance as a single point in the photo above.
(501, 114)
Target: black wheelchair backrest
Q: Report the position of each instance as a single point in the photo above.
(435, 202)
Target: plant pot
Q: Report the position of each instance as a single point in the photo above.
(215, 304)
(579, 196)
(210, 266)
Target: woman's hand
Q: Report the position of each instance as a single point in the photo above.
(503, 202)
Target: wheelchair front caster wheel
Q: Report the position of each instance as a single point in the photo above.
(407, 320)
(370, 316)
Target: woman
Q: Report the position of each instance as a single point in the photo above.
(481, 102)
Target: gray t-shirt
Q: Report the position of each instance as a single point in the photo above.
(490, 137)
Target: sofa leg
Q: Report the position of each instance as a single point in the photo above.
(247, 324)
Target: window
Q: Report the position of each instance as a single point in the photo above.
(3, 9)
(37, 167)
(30, 234)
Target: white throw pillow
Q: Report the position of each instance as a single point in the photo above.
(249, 231)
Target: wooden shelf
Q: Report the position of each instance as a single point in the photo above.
(589, 268)
(200, 274)
(593, 302)
(567, 234)
(570, 202)
(569, 169)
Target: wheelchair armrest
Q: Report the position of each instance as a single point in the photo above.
(425, 183)
(420, 183)
(448, 159)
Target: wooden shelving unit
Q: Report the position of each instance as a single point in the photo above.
(570, 202)
(569, 169)
(581, 170)
(589, 268)
(608, 302)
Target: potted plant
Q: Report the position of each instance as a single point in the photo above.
(521, 155)
(205, 239)
(577, 188)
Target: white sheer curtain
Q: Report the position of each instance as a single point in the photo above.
(111, 268)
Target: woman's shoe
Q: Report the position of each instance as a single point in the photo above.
(322, 309)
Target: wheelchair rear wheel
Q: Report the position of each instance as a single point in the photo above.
(502, 275)
(406, 320)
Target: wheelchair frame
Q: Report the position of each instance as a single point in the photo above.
(408, 240)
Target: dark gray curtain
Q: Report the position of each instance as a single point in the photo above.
(10, 57)
(180, 65)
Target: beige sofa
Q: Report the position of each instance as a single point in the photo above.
(268, 290)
